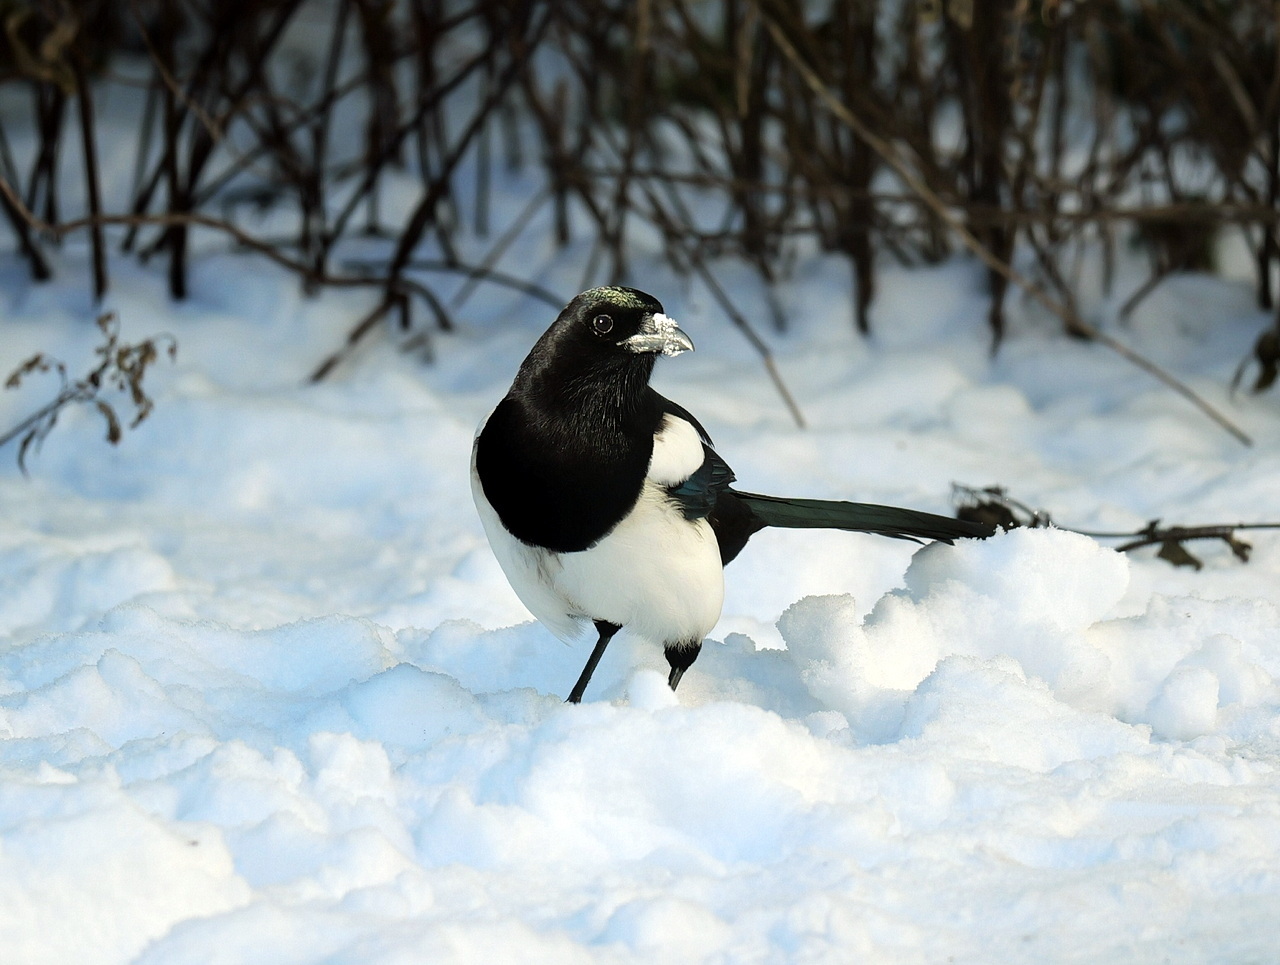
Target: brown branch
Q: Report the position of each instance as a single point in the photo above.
(766, 356)
(475, 274)
(994, 504)
(91, 176)
(399, 286)
(354, 337)
(170, 82)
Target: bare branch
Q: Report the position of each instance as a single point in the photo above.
(1071, 319)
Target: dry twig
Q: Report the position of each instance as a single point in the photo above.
(994, 505)
(120, 366)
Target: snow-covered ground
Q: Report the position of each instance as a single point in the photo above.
(266, 697)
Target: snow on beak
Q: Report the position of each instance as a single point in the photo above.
(659, 333)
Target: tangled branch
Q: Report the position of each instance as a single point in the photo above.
(994, 505)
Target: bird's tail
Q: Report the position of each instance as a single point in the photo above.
(859, 518)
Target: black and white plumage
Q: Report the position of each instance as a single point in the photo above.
(605, 502)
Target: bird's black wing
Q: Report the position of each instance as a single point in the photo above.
(706, 494)
(698, 494)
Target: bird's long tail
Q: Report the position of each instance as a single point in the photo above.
(858, 517)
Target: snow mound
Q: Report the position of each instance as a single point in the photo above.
(1022, 618)
(1029, 596)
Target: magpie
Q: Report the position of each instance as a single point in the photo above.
(605, 502)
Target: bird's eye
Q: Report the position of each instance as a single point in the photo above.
(602, 324)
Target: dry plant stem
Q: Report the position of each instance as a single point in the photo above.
(513, 231)
(1070, 318)
(79, 392)
(1156, 535)
(170, 82)
(1150, 535)
(191, 219)
(40, 269)
(51, 102)
(92, 180)
(766, 357)
(430, 103)
(473, 273)
(353, 339)
(120, 366)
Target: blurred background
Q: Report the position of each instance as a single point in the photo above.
(356, 142)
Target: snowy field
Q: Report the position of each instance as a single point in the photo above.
(265, 696)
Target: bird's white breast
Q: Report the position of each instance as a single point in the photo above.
(677, 452)
(655, 572)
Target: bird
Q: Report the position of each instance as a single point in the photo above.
(606, 503)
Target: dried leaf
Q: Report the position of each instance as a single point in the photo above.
(991, 512)
(1239, 547)
(49, 62)
(1267, 352)
(1172, 551)
(37, 363)
(113, 422)
(144, 410)
(961, 11)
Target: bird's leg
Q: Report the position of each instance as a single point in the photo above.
(681, 659)
(607, 630)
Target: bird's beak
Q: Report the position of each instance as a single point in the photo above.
(659, 333)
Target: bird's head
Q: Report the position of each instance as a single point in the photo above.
(610, 319)
(605, 339)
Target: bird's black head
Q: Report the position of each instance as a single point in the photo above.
(602, 346)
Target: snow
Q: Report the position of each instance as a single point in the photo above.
(265, 695)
